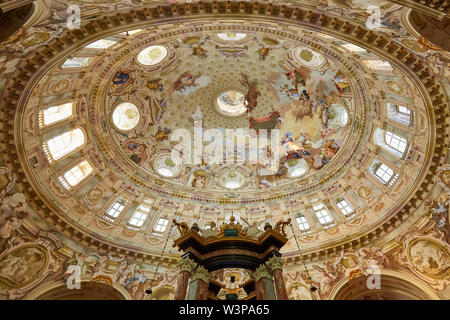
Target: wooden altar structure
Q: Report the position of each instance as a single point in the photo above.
(231, 246)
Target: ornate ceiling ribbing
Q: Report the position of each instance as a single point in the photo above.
(19, 88)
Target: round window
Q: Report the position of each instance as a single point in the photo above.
(231, 103)
(152, 55)
(231, 36)
(167, 166)
(126, 116)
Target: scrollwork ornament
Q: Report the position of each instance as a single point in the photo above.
(187, 264)
(261, 272)
(202, 273)
(275, 263)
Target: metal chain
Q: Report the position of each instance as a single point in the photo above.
(162, 254)
(300, 251)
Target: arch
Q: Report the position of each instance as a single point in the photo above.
(163, 293)
(12, 20)
(395, 285)
(431, 29)
(90, 290)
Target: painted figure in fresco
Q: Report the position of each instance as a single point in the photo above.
(185, 81)
(295, 151)
(161, 134)
(329, 274)
(251, 97)
(199, 51)
(439, 214)
(121, 82)
(272, 121)
(370, 257)
(263, 53)
(155, 85)
(12, 214)
(134, 152)
(22, 266)
(120, 78)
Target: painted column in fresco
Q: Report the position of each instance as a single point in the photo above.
(186, 266)
(275, 265)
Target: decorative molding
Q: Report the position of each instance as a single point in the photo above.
(201, 273)
(187, 264)
(261, 272)
(275, 263)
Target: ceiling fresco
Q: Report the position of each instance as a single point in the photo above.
(313, 87)
(118, 90)
(304, 95)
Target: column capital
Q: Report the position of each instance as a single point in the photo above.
(275, 263)
(261, 272)
(202, 273)
(187, 264)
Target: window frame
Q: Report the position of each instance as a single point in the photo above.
(122, 203)
(142, 210)
(48, 149)
(64, 181)
(41, 121)
(163, 225)
(381, 177)
(396, 142)
(321, 212)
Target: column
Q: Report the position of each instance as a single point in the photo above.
(275, 264)
(199, 284)
(263, 280)
(186, 266)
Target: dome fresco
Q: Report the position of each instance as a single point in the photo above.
(309, 99)
(145, 119)
(298, 101)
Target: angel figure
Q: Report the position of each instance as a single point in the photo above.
(330, 273)
(12, 214)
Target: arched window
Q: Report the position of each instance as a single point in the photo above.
(77, 62)
(161, 225)
(396, 142)
(340, 116)
(352, 47)
(392, 142)
(76, 174)
(65, 143)
(236, 216)
(323, 215)
(101, 44)
(346, 209)
(399, 113)
(55, 113)
(302, 223)
(115, 209)
(378, 65)
(138, 218)
(384, 172)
